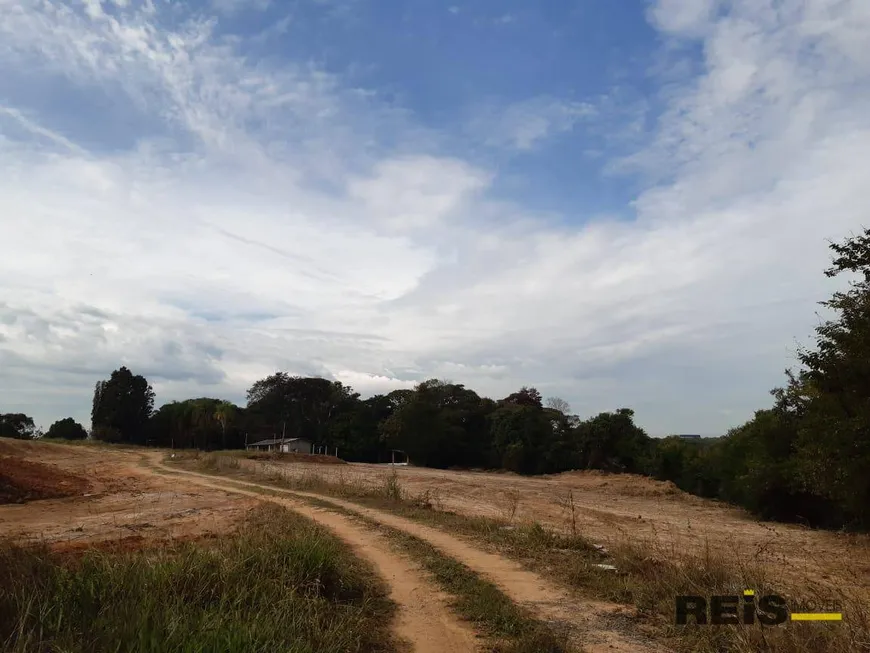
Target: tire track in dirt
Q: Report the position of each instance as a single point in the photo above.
(589, 622)
(424, 620)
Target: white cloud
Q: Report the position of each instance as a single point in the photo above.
(684, 17)
(526, 125)
(257, 222)
(417, 192)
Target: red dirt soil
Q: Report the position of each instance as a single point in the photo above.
(125, 500)
(23, 480)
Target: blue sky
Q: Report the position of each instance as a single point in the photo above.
(624, 204)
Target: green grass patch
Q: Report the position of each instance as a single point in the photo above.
(281, 583)
(512, 628)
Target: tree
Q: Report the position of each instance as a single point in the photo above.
(830, 396)
(521, 434)
(122, 406)
(67, 429)
(525, 397)
(303, 407)
(439, 424)
(557, 403)
(17, 425)
(806, 459)
(611, 441)
(224, 413)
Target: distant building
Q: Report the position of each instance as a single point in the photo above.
(690, 436)
(282, 445)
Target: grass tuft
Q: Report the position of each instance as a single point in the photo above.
(280, 583)
(478, 600)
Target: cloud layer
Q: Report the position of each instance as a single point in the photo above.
(208, 217)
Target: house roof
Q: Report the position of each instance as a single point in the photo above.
(276, 441)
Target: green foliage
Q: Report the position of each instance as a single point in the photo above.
(439, 425)
(298, 407)
(693, 465)
(67, 429)
(830, 397)
(521, 434)
(202, 423)
(16, 425)
(807, 458)
(612, 442)
(121, 408)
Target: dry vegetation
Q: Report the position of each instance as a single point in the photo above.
(136, 526)
(644, 571)
(280, 583)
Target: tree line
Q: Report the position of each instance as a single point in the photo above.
(804, 459)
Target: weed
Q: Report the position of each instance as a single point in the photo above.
(392, 489)
(280, 583)
(511, 503)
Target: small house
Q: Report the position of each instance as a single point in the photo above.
(281, 445)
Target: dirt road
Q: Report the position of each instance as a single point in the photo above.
(424, 619)
(131, 504)
(591, 624)
(609, 508)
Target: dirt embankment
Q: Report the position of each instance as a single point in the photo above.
(23, 480)
(122, 502)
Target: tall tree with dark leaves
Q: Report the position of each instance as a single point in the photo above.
(224, 413)
(831, 394)
(525, 397)
(17, 425)
(296, 406)
(612, 441)
(439, 424)
(122, 406)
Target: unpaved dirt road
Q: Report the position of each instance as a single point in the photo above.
(609, 508)
(424, 619)
(589, 623)
(130, 502)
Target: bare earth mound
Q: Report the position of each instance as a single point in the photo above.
(23, 480)
(629, 485)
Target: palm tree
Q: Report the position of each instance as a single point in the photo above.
(224, 413)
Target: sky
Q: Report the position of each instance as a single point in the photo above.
(623, 204)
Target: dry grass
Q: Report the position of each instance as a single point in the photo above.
(648, 575)
(281, 583)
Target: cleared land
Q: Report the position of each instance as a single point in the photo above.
(125, 494)
(610, 508)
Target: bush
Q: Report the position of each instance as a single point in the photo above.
(67, 429)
